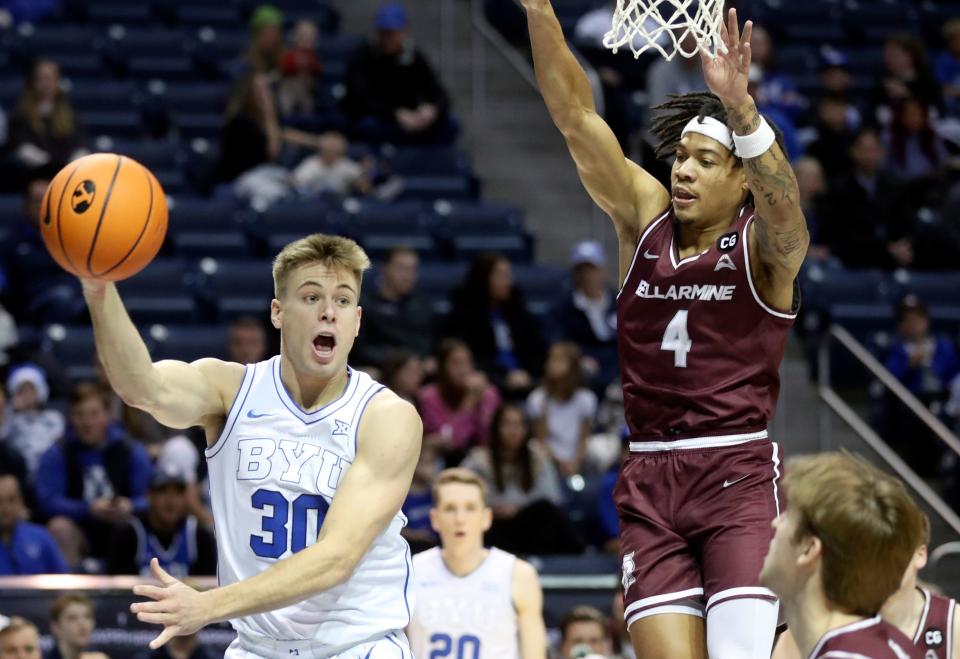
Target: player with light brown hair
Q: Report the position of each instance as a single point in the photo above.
(19, 639)
(838, 552)
(309, 464)
(474, 602)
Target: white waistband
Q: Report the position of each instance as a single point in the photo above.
(296, 649)
(696, 442)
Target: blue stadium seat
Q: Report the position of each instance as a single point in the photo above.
(237, 288)
(150, 41)
(103, 96)
(934, 288)
(121, 124)
(168, 308)
(170, 67)
(225, 243)
(192, 125)
(10, 90)
(438, 187)
(53, 40)
(164, 276)
(76, 65)
(222, 14)
(197, 98)
(118, 12)
(11, 209)
(193, 213)
(154, 154)
(188, 342)
(428, 161)
(862, 320)
(69, 345)
(514, 247)
(540, 285)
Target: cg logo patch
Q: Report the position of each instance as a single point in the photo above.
(933, 637)
(727, 241)
(83, 196)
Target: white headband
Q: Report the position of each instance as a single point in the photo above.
(711, 128)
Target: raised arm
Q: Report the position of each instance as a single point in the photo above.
(625, 192)
(779, 239)
(528, 601)
(177, 394)
(371, 493)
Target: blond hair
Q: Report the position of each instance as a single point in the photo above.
(331, 251)
(867, 524)
(458, 475)
(17, 624)
(61, 603)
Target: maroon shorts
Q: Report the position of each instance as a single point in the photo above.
(695, 526)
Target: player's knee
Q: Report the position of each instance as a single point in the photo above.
(741, 629)
(667, 636)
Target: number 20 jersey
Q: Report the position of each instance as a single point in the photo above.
(699, 350)
(274, 471)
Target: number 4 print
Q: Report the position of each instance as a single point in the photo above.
(676, 339)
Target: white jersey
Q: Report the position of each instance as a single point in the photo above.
(274, 471)
(470, 617)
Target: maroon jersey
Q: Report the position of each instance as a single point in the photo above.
(935, 629)
(700, 352)
(872, 638)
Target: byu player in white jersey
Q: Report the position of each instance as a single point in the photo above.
(297, 445)
(473, 603)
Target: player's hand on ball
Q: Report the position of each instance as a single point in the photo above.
(178, 607)
(728, 73)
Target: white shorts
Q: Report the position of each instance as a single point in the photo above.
(392, 646)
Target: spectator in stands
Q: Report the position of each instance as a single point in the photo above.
(947, 67)
(246, 341)
(402, 371)
(585, 314)
(562, 410)
(24, 255)
(418, 531)
(813, 186)
(489, 313)
(906, 73)
(165, 530)
(866, 222)
(330, 169)
(775, 90)
(11, 462)
(251, 135)
(33, 426)
(134, 422)
(179, 647)
(607, 518)
(19, 639)
(584, 632)
(677, 76)
(71, 625)
(266, 41)
(924, 363)
(836, 80)
(774, 112)
(44, 132)
(523, 489)
(914, 150)
(181, 454)
(25, 548)
(834, 136)
(392, 89)
(299, 66)
(93, 479)
(457, 408)
(394, 315)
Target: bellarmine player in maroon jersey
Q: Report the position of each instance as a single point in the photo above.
(838, 552)
(708, 298)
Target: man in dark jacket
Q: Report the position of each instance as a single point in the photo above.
(394, 316)
(392, 89)
(92, 479)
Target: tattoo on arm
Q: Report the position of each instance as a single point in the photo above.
(784, 243)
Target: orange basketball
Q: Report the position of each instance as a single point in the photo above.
(104, 216)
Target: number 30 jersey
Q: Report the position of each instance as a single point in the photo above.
(469, 617)
(274, 472)
(699, 350)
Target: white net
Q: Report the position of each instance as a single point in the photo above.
(669, 26)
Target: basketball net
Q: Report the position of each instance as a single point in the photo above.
(641, 25)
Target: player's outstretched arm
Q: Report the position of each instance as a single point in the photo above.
(780, 235)
(528, 601)
(625, 192)
(177, 394)
(367, 499)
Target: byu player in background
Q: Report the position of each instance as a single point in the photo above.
(473, 603)
(309, 464)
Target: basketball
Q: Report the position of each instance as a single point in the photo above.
(104, 216)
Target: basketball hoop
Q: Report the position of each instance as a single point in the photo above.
(641, 25)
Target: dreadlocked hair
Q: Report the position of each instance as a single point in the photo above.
(674, 114)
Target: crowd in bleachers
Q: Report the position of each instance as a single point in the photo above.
(258, 139)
